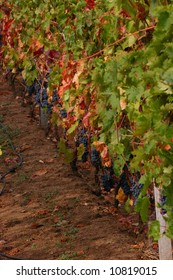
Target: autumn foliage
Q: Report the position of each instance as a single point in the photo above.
(111, 62)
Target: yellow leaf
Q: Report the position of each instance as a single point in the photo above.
(121, 197)
(123, 103)
(80, 68)
(121, 91)
(99, 145)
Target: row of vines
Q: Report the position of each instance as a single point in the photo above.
(105, 71)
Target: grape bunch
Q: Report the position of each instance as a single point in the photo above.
(63, 113)
(123, 183)
(82, 138)
(55, 96)
(42, 99)
(136, 189)
(31, 89)
(95, 158)
(84, 141)
(39, 88)
(107, 182)
(111, 170)
(43, 94)
(162, 203)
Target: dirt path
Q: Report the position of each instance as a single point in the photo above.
(47, 212)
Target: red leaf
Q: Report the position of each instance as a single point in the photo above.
(90, 4)
(52, 55)
(7, 24)
(86, 119)
(82, 105)
(141, 14)
(5, 9)
(124, 14)
(38, 52)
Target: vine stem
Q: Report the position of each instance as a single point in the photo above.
(116, 42)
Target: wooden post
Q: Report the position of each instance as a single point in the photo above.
(44, 118)
(164, 243)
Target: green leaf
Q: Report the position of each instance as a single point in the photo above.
(67, 152)
(114, 101)
(119, 148)
(118, 165)
(80, 151)
(139, 156)
(154, 230)
(142, 206)
(168, 76)
(150, 147)
(146, 180)
(169, 231)
(143, 124)
(164, 21)
(72, 128)
(145, 209)
(127, 206)
(62, 146)
(168, 170)
(107, 119)
(110, 76)
(68, 155)
(129, 42)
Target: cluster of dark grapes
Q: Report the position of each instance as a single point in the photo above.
(108, 182)
(124, 184)
(135, 186)
(130, 183)
(82, 138)
(110, 170)
(136, 189)
(63, 113)
(31, 89)
(95, 158)
(41, 97)
(162, 203)
(55, 96)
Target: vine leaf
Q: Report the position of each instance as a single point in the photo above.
(142, 206)
(86, 119)
(90, 4)
(80, 151)
(80, 68)
(123, 103)
(154, 230)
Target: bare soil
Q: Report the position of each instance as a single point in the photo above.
(48, 212)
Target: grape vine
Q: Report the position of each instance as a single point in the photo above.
(109, 66)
